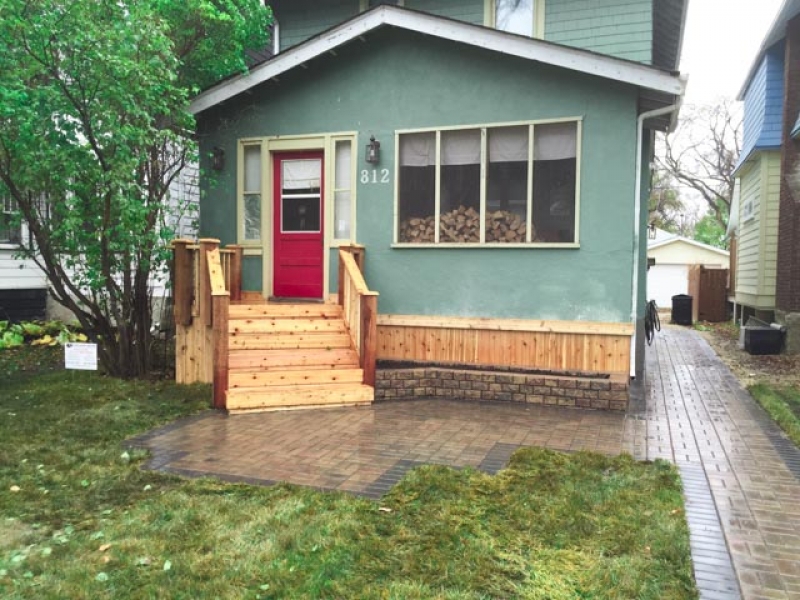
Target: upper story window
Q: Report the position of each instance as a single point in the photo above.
(366, 4)
(521, 17)
(9, 232)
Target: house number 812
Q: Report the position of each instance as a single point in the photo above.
(372, 176)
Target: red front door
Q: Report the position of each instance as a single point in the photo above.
(298, 239)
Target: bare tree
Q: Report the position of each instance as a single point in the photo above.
(666, 209)
(703, 152)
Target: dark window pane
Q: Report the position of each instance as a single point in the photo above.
(460, 210)
(300, 214)
(417, 189)
(554, 200)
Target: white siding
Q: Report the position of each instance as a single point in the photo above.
(17, 274)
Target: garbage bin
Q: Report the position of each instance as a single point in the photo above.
(682, 309)
(762, 338)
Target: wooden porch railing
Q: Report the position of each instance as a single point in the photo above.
(206, 280)
(360, 308)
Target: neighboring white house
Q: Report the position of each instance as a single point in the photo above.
(23, 286)
(674, 255)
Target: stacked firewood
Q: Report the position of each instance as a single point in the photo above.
(417, 230)
(505, 226)
(462, 225)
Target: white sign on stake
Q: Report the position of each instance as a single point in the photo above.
(80, 356)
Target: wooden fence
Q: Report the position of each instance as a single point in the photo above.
(206, 279)
(708, 288)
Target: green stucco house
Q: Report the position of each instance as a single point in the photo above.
(491, 156)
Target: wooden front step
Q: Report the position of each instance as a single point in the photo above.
(292, 356)
(306, 376)
(333, 358)
(285, 311)
(294, 396)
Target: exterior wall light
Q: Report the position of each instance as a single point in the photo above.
(651, 231)
(218, 159)
(373, 151)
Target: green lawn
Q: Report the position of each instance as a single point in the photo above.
(79, 519)
(783, 405)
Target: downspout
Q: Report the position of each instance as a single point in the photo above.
(637, 213)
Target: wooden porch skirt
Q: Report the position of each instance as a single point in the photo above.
(557, 346)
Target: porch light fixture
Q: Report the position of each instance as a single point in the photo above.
(651, 231)
(373, 153)
(217, 159)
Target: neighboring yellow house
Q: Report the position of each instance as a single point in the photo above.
(757, 232)
(674, 255)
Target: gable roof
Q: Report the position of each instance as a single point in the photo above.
(666, 84)
(677, 238)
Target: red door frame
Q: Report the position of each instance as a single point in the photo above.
(298, 257)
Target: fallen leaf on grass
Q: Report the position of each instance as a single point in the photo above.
(144, 561)
(385, 509)
(15, 488)
(104, 548)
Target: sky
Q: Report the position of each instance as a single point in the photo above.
(720, 43)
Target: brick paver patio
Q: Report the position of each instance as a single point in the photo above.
(741, 476)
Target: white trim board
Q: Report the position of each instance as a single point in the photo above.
(673, 240)
(574, 59)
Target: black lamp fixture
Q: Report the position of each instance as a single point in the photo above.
(218, 158)
(651, 231)
(373, 153)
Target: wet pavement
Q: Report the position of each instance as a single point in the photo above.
(741, 475)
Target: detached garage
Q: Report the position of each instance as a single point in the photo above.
(674, 255)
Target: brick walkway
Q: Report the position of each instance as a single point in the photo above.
(741, 476)
(738, 469)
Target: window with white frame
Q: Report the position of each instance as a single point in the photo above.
(504, 184)
(251, 194)
(10, 232)
(343, 189)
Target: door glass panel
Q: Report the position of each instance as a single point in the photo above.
(300, 214)
(301, 176)
(301, 195)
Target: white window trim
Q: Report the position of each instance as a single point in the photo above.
(7, 208)
(489, 16)
(437, 200)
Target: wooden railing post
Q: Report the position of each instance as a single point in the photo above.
(204, 300)
(341, 277)
(182, 282)
(221, 303)
(236, 272)
(369, 336)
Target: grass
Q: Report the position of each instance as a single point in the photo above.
(86, 522)
(783, 405)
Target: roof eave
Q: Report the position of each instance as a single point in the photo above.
(497, 41)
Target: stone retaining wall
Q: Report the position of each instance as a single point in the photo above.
(437, 382)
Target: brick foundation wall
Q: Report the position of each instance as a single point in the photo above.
(436, 382)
